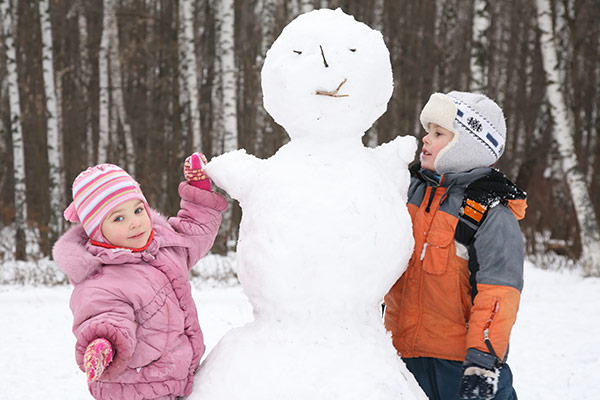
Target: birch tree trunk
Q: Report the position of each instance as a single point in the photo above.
(479, 46)
(217, 90)
(452, 29)
(499, 52)
(189, 69)
(16, 129)
(4, 130)
(183, 92)
(56, 183)
(226, 21)
(306, 5)
(227, 48)
(437, 34)
(378, 7)
(293, 9)
(85, 79)
(589, 230)
(372, 139)
(103, 77)
(116, 78)
(267, 10)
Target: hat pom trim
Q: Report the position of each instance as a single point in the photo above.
(439, 110)
(70, 213)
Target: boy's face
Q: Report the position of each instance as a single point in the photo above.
(433, 142)
(128, 225)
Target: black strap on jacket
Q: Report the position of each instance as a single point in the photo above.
(480, 196)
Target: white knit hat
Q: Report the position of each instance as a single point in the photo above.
(478, 126)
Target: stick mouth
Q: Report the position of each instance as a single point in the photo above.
(333, 93)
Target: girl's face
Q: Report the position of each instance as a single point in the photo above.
(128, 225)
(433, 142)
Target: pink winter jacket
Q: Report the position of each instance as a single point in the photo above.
(141, 302)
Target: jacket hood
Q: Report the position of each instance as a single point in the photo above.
(79, 259)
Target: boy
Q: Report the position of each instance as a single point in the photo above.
(452, 311)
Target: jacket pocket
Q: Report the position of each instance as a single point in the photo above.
(437, 251)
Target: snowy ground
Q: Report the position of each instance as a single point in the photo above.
(555, 347)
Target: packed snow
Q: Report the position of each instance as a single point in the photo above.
(554, 346)
(325, 230)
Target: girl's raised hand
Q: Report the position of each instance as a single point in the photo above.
(193, 170)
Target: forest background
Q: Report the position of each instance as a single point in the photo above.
(144, 83)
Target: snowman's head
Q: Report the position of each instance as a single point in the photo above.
(327, 75)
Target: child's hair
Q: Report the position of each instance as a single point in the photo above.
(478, 126)
(96, 192)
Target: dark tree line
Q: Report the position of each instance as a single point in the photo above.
(138, 53)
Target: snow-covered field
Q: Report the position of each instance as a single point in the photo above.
(555, 347)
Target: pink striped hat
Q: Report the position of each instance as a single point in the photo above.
(96, 192)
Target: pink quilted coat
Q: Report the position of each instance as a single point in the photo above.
(141, 302)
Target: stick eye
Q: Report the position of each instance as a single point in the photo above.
(297, 52)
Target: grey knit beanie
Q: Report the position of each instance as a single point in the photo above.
(478, 126)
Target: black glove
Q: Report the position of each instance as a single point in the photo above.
(480, 376)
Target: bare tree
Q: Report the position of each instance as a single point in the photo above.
(55, 173)
(85, 76)
(226, 59)
(20, 199)
(306, 5)
(108, 16)
(218, 120)
(293, 9)
(118, 99)
(4, 130)
(226, 17)
(267, 11)
(439, 22)
(372, 136)
(589, 231)
(479, 45)
(189, 70)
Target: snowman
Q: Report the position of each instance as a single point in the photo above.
(325, 231)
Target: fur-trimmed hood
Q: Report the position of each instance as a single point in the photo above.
(79, 259)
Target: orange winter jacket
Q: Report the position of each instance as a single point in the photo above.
(445, 304)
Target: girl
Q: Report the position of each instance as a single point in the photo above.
(135, 321)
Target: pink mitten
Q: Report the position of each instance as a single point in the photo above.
(96, 358)
(193, 170)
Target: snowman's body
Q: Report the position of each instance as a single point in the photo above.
(316, 234)
(325, 231)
